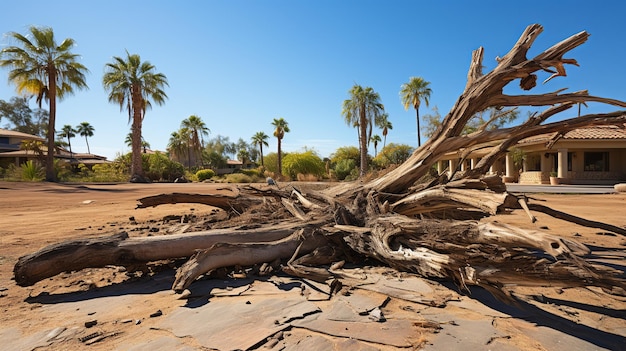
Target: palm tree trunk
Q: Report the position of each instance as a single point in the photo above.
(261, 149)
(280, 159)
(136, 168)
(363, 143)
(87, 141)
(50, 175)
(419, 138)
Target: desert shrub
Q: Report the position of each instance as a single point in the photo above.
(392, 154)
(161, 168)
(307, 162)
(205, 174)
(32, 171)
(255, 173)
(238, 178)
(344, 167)
(270, 161)
(307, 177)
(346, 153)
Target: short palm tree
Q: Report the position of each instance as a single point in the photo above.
(68, 132)
(280, 128)
(50, 71)
(385, 124)
(375, 139)
(362, 109)
(197, 129)
(129, 142)
(86, 130)
(259, 139)
(132, 83)
(179, 145)
(411, 94)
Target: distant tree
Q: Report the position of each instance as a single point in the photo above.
(144, 144)
(364, 107)
(68, 132)
(50, 71)
(197, 129)
(179, 146)
(346, 152)
(392, 154)
(22, 118)
(385, 124)
(412, 94)
(85, 129)
(132, 83)
(280, 128)
(259, 139)
(307, 162)
(375, 139)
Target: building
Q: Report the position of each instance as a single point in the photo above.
(13, 152)
(591, 155)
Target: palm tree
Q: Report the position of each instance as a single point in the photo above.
(375, 139)
(281, 127)
(411, 94)
(260, 139)
(197, 129)
(178, 145)
(68, 132)
(386, 125)
(46, 70)
(132, 84)
(85, 129)
(361, 110)
(129, 142)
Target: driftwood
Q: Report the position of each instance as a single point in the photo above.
(430, 229)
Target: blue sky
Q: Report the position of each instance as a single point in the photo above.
(239, 64)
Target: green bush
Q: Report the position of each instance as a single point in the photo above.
(303, 163)
(344, 167)
(238, 178)
(205, 174)
(392, 154)
(32, 171)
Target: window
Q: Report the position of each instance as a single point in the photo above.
(4, 140)
(533, 162)
(597, 161)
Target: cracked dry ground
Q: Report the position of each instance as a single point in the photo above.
(380, 309)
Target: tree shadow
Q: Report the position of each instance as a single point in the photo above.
(533, 314)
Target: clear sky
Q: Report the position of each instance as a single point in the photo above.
(239, 64)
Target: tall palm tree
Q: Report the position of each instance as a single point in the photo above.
(85, 129)
(362, 109)
(411, 94)
(197, 129)
(132, 83)
(50, 71)
(280, 128)
(375, 139)
(260, 139)
(68, 132)
(385, 124)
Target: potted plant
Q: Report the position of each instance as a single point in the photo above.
(554, 179)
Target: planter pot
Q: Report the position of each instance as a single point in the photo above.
(554, 181)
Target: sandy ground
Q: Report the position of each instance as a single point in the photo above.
(33, 215)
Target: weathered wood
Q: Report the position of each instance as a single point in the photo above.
(225, 202)
(121, 250)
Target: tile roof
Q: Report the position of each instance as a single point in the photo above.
(587, 133)
(12, 133)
